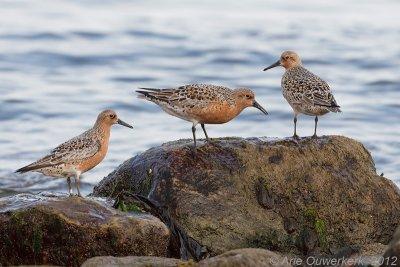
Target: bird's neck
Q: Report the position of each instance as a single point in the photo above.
(292, 66)
(103, 131)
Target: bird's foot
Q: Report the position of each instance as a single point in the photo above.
(75, 195)
(193, 150)
(295, 136)
(314, 136)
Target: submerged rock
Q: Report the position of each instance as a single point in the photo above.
(311, 196)
(61, 230)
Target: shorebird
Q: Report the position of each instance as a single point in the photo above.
(304, 91)
(79, 154)
(202, 103)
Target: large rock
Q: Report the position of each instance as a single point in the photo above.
(392, 254)
(311, 196)
(249, 257)
(237, 258)
(60, 230)
(132, 261)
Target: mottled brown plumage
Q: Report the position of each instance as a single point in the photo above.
(79, 154)
(304, 91)
(202, 103)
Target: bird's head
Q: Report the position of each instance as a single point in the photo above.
(109, 117)
(245, 98)
(288, 59)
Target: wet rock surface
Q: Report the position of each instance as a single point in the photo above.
(307, 196)
(392, 254)
(238, 258)
(66, 231)
(246, 258)
(133, 261)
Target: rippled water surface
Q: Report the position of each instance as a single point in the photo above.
(61, 62)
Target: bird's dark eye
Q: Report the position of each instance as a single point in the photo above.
(112, 116)
(248, 96)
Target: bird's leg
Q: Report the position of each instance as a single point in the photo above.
(295, 126)
(77, 183)
(194, 135)
(315, 127)
(205, 133)
(69, 186)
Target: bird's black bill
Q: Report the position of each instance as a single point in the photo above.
(124, 123)
(256, 105)
(276, 64)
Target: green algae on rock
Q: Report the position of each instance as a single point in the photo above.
(134, 261)
(306, 196)
(60, 230)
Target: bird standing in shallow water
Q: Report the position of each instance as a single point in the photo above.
(305, 91)
(202, 103)
(79, 154)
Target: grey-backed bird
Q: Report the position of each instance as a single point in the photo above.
(305, 92)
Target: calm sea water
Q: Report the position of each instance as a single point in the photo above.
(61, 62)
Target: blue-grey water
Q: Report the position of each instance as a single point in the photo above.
(61, 62)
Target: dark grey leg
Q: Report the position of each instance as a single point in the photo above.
(194, 135)
(315, 128)
(77, 183)
(69, 186)
(204, 130)
(295, 126)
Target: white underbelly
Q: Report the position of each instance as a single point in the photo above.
(61, 171)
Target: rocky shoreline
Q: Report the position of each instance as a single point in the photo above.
(235, 202)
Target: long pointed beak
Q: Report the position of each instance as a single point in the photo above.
(256, 105)
(276, 64)
(124, 123)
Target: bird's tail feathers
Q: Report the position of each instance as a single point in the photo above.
(143, 94)
(154, 94)
(32, 167)
(151, 89)
(335, 109)
(26, 169)
(332, 107)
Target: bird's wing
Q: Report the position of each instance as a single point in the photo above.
(76, 149)
(183, 95)
(316, 91)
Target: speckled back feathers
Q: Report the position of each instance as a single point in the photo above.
(306, 91)
(189, 95)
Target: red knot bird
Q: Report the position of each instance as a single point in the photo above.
(202, 103)
(304, 91)
(79, 154)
